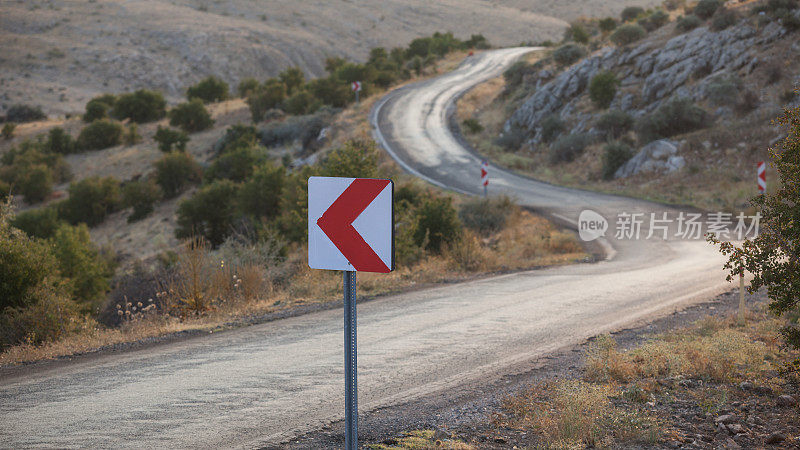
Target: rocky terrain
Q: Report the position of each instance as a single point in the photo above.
(60, 53)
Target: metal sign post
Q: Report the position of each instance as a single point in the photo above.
(350, 363)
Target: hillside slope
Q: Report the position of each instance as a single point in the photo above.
(60, 53)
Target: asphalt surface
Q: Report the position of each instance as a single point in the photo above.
(262, 385)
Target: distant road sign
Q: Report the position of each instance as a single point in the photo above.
(485, 173)
(356, 86)
(762, 177)
(350, 224)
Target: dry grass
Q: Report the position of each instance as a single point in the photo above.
(422, 440)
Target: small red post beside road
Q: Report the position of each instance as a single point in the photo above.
(350, 228)
(762, 177)
(356, 87)
(485, 177)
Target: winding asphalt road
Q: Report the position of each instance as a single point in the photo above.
(264, 384)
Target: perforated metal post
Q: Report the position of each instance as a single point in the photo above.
(350, 363)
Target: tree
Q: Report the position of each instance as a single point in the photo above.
(293, 78)
(191, 117)
(209, 90)
(773, 257)
(576, 32)
(209, 213)
(100, 134)
(36, 183)
(603, 88)
(175, 171)
(8, 130)
(358, 158)
(266, 97)
(79, 260)
(169, 139)
(91, 200)
(247, 86)
(59, 141)
(260, 195)
(140, 106)
(99, 107)
(141, 196)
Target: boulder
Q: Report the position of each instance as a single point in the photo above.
(658, 156)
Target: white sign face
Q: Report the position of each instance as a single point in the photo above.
(350, 224)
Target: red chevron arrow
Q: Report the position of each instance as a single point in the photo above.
(337, 223)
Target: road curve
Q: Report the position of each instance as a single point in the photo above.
(266, 383)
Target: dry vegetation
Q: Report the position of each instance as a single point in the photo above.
(421, 440)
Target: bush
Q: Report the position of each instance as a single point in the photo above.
(39, 223)
(515, 75)
(36, 183)
(293, 219)
(706, 8)
(91, 200)
(209, 213)
(472, 125)
(614, 124)
(688, 23)
(301, 102)
(100, 134)
(603, 88)
(99, 107)
(724, 89)
(169, 139)
(175, 171)
(141, 196)
(436, 224)
(676, 116)
(723, 18)
(8, 130)
(87, 270)
(576, 32)
(672, 5)
(236, 164)
(567, 148)
(615, 154)
(141, 106)
(59, 141)
(260, 195)
(191, 117)
(20, 113)
(628, 34)
(486, 216)
(236, 136)
(631, 13)
(19, 167)
(568, 54)
(247, 86)
(131, 135)
(266, 97)
(607, 25)
(654, 21)
(50, 316)
(552, 126)
(209, 90)
(293, 78)
(512, 139)
(357, 158)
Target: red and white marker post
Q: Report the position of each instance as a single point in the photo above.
(350, 228)
(485, 177)
(762, 177)
(356, 87)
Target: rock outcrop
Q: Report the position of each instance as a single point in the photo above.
(657, 156)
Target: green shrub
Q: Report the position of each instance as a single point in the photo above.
(301, 102)
(247, 86)
(36, 183)
(567, 148)
(260, 195)
(8, 130)
(50, 316)
(20, 113)
(100, 134)
(236, 164)
(99, 107)
(141, 106)
(20, 167)
(59, 141)
(724, 18)
(486, 216)
(472, 125)
(568, 54)
(175, 171)
(552, 126)
(688, 23)
(266, 97)
(607, 25)
(615, 154)
(88, 272)
(603, 88)
(191, 117)
(170, 139)
(576, 32)
(357, 158)
(91, 200)
(211, 89)
(330, 91)
(724, 89)
(293, 219)
(654, 21)
(706, 8)
(436, 224)
(676, 116)
(236, 136)
(293, 78)
(39, 223)
(615, 123)
(628, 34)
(141, 196)
(631, 13)
(209, 213)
